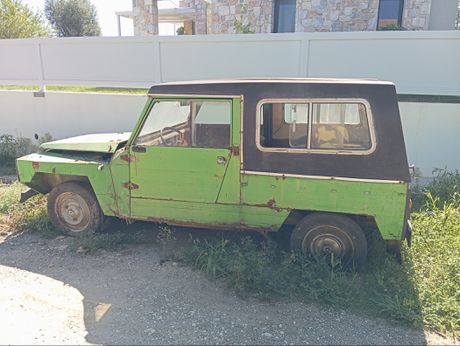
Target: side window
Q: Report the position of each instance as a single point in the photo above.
(211, 124)
(188, 123)
(313, 125)
(340, 126)
(284, 125)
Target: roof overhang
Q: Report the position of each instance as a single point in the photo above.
(167, 15)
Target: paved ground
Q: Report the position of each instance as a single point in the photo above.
(50, 294)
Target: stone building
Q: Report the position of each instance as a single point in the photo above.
(266, 16)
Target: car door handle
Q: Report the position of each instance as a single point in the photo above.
(221, 160)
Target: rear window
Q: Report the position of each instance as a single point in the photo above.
(315, 125)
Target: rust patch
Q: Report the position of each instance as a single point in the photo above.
(127, 158)
(224, 227)
(235, 151)
(130, 186)
(36, 165)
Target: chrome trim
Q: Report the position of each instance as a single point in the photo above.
(194, 96)
(310, 102)
(321, 177)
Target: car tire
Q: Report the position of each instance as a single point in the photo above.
(323, 234)
(74, 210)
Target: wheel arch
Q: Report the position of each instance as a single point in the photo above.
(364, 221)
(45, 182)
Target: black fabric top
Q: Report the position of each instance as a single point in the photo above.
(387, 162)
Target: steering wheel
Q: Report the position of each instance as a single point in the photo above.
(168, 128)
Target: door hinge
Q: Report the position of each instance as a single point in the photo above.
(130, 186)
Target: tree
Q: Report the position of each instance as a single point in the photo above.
(19, 21)
(72, 18)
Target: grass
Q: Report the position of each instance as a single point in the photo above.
(444, 186)
(424, 291)
(74, 88)
(30, 216)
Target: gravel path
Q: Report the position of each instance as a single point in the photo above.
(52, 295)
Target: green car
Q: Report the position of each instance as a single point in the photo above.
(326, 156)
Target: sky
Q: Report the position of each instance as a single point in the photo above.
(107, 19)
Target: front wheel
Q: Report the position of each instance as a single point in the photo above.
(74, 210)
(335, 236)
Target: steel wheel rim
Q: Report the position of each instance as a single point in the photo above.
(73, 211)
(325, 243)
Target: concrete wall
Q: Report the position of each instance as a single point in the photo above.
(64, 114)
(430, 129)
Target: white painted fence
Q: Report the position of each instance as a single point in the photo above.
(418, 62)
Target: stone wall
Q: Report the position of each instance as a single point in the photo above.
(145, 14)
(200, 26)
(256, 16)
(416, 14)
(336, 15)
(235, 16)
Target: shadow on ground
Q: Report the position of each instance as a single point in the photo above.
(132, 296)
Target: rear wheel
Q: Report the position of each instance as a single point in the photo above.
(335, 236)
(74, 210)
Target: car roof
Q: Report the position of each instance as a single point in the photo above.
(248, 81)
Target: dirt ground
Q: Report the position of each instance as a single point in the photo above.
(50, 294)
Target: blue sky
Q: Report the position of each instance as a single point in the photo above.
(106, 12)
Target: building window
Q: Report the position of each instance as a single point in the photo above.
(390, 14)
(284, 16)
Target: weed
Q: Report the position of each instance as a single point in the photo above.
(166, 238)
(30, 216)
(424, 290)
(444, 186)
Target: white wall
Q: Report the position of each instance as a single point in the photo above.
(64, 114)
(432, 135)
(430, 129)
(417, 61)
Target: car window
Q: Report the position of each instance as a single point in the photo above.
(188, 123)
(342, 126)
(310, 125)
(284, 125)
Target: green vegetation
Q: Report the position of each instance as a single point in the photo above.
(422, 291)
(444, 188)
(11, 148)
(72, 18)
(30, 216)
(19, 21)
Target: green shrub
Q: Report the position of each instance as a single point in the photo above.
(443, 188)
(11, 148)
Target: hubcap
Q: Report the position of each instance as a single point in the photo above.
(73, 211)
(327, 244)
(329, 241)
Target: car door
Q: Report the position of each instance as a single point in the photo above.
(180, 158)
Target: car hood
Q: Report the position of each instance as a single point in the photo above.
(100, 143)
